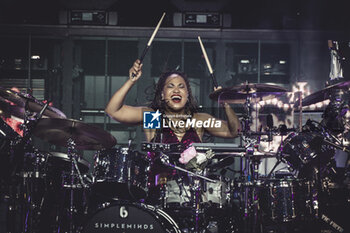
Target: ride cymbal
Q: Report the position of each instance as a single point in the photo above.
(238, 94)
(323, 94)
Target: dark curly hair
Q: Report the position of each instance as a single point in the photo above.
(158, 103)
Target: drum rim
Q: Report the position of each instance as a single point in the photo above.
(145, 207)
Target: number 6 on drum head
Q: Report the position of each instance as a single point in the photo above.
(123, 212)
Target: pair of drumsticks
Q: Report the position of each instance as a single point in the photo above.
(200, 42)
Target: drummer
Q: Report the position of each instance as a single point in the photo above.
(174, 103)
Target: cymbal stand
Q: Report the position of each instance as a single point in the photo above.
(248, 114)
(74, 170)
(249, 192)
(196, 199)
(250, 179)
(31, 207)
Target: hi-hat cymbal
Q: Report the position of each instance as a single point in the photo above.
(85, 136)
(13, 103)
(238, 94)
(248, 88)
(323, 94)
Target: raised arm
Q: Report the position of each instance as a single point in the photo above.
(116, 108)
(226, 128)
(229, 128)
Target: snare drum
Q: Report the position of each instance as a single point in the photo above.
(130, 217)
(178, 194)
(120, 173)
(216, 194)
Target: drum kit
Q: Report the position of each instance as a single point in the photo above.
(59, 192)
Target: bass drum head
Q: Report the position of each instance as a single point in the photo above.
(130, 217)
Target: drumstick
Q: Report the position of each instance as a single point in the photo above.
(208, 63)
(151, 39)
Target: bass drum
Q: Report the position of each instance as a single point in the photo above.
(302, 151)
(130, 217)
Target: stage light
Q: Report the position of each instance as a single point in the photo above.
(267, 66)
(35, 57)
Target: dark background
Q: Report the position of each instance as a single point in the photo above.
(247, 14)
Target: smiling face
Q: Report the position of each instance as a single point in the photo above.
(175, 93)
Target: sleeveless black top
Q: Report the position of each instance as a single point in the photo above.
(167, 135)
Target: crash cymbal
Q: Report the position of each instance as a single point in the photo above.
(11, 97)
(15, 103)
(35, 106)
(248, 88)
(238, 94)
(323, 94)
(86, 137)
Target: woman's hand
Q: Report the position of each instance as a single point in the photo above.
(219, 88)
(135, 71)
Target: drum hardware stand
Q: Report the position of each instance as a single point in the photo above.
(163, 187)
(74, 169)
(165, 160)
(195, 189)
(127, 151)
(251, 205)
(163, 195)
(30, 208)
(196, 198)
(248, 114)
(249, 173)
